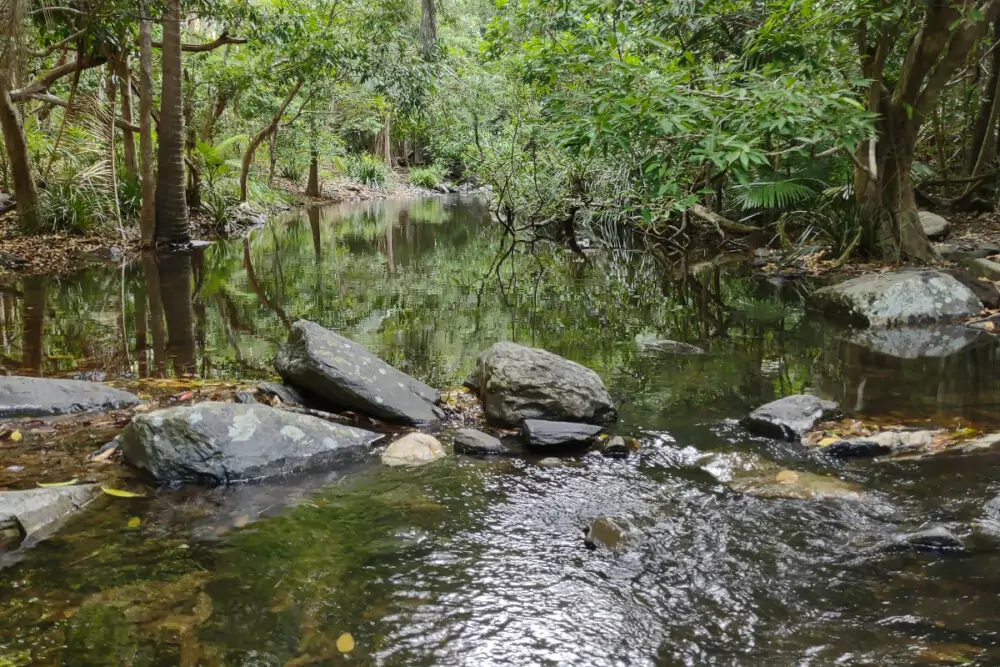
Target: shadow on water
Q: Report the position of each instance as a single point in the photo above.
(483, 563)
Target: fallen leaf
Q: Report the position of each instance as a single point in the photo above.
(52, 485)
(118, 493)
(16, 436)
(787, 477)
(134, 522)
(345, 643)
(828, 441)
(105, 455)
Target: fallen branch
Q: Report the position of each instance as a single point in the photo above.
(721, 222)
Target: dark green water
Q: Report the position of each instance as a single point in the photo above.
(483, 563)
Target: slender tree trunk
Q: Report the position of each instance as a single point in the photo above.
(387, 140)
(312, 188)
(313, 213)
(141, 327)
(272, 155)
(128, 138)
(147, 223)
(112, 153)
(175, 294)
(171, 197)
(151, 272)
(213, 115)
(16, 146)
(428, 27)
(260, 136)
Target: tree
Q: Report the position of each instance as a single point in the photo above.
(15, 143)
(171, 196)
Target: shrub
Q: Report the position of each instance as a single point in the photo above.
(427, 177)
(368, 170)
(129, 195)
(293, 170)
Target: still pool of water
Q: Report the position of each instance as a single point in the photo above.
(482, 563)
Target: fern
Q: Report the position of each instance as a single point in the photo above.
(772, 194)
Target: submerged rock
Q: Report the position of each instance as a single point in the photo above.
(899, 298)
(516, 383)
(855, 448)
(935, 538)
(25, 514)
(220, 443)
(347, 375)
(609, 533)
(42, 397)
(934, 225)
(795, 485)
(472, 442)
(936, 341)
(790, 417)
(615, 447)
(650, 344)
(413, 449)
(549, 435)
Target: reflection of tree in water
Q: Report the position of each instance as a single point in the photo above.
(32, 347)
(176, 277)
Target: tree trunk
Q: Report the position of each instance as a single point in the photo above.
(33, 345)
(387, 140)
(151, 273)
(16, 145)
(272, 155)
(141, 324)
(312, 188)
(213, 115)
(147, 224)
(428, 27)
(193, 176)
(171, 197)
(313, 213)
(982, 135)
(128, 137)
(260, 136)
(175, 294)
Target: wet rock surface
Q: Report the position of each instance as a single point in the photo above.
(613, 534)
(516, 382)
(935, 538)
(43, 397)
(793, 485)
(917, 342)
(551, 435)
(348, 376)
(899, 298)
(615, 447)
(789, 418)
(32, 512)
(413, 449)
(220, 443)
(284, 393)
(472, 442)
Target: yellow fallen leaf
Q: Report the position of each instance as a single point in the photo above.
(134, 522)
(345, 643)
(52, 485)
(827, 441)
(118, 493)
(787, 476)
(16, 436)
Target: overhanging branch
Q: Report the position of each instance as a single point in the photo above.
(221, 40)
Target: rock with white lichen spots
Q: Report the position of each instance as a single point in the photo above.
(220, 443)
(347, 376)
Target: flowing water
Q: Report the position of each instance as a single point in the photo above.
(483, 563)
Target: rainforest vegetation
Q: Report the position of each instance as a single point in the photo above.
(801, 121)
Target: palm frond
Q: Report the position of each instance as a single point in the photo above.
(779, 194)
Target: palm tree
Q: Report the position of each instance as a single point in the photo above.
(171, 196)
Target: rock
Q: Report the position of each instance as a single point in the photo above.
(515, 383)
(789, 418)
(934, 225)
(245, 397)
(985, 268)
(979, 445)
(549, 435)
(774, 483)
(938, 341)
(615, 447)
(471, 442)
(984, 291)
(347, 375)
(442, 188)
(220, 443)
(90, 376)
(963, 251)
(898, 298)
(855, 448)
(608, 533)
(551, 462)
(284, 393)
(935, 538)
(665, 346)
(42, 397)
(413, 449)
(26, 513)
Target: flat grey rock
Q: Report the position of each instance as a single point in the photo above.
(789, 418)
(41, 510)
(899, 298)
(551, 435)
(934, 225)
(44, 397)
(984, 268)
(472, 442)
(348, 376)
(963, 251)
(219, 443)
(515, 383)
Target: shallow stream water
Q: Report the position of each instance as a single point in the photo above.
(483, 563)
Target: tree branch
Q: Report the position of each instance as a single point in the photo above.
(55, 47)
(48, 98)
(41, 83)
(221, 40)
(722, 222)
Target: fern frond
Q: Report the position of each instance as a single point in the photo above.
(772, 194)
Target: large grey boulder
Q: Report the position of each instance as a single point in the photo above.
(899, 298)
(219, 443)
(43, 397)
(548, 435)
(934, 225)
(33, 512)
(347, 375)
(516, 382)
(789, 418)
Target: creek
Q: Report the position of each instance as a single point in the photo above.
(482, 562)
